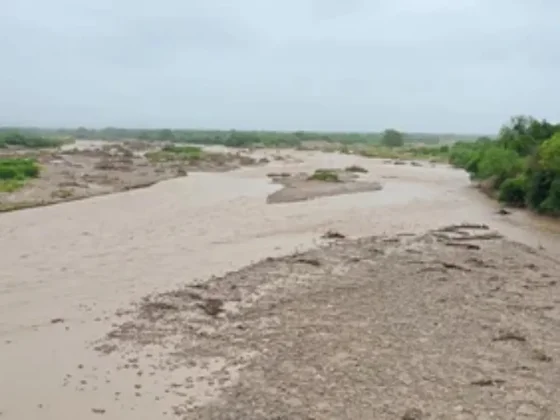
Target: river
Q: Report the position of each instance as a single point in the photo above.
(67, 268)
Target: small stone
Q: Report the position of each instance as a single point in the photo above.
(412, 414)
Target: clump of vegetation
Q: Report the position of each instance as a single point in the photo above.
(356, 169)
(174, 153)
(522, 163)
(392, 138)
(514, 191)
(15, 172)
(325, 175)
(17, 139)
(236, 138)
(63, 193)
(432, 153)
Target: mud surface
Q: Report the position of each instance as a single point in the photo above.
(457, 323)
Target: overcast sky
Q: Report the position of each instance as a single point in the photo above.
(360, 65)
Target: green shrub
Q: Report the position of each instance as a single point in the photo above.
(462, 155)
(513, 191)
(551, 204)
(14, 173)
(325, 175)
(356, 169)
(28, 141)
(19, 169)
(539, 184)
(498, 162)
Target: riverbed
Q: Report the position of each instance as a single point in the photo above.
(67, 269)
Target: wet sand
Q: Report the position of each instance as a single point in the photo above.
(69, 268)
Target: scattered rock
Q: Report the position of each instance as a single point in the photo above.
(98, 410)
(333, 234)
(356, 169)
(488, 382)
(311, 261)
(472, 247)
(454, 228)
(212, 306)
(454, 266)
(412, 414)
(106, 348)
(57, 320)
(510, 336)
(503, 212)
(159, 306)
(541, 356)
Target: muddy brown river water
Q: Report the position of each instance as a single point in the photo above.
(66, 269)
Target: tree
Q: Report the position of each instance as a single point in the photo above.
(166, 135)
(241, 139)
(549, 154)
(392, 138)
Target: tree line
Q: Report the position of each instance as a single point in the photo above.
(521, 167)
(238, 138)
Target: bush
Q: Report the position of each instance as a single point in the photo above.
(498, 162)
(538, 188)
(513, 191)
(392, 138)
(522, 164)
(462, 155)
(18, 169)
(551, 204)
(14, 173)
(325, 175)
(356, 169)
(22, 140)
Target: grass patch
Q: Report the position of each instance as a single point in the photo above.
(176, 153)
(324, 175)
(14, 172)
(356, 169)
(10, 185)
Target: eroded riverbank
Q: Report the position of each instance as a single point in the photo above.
(78, 263)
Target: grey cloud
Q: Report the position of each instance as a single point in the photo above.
(425, 65)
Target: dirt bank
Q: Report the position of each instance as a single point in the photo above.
(458, 323)
(322, 183)
(74, 173)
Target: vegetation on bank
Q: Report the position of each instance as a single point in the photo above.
(520, 168)
(433, 153)
(325, 175)
(174, 153)
(241, 138)
(17, 139)
(356, 169)
(15, 172)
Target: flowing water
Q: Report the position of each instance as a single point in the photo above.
(66, 269)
